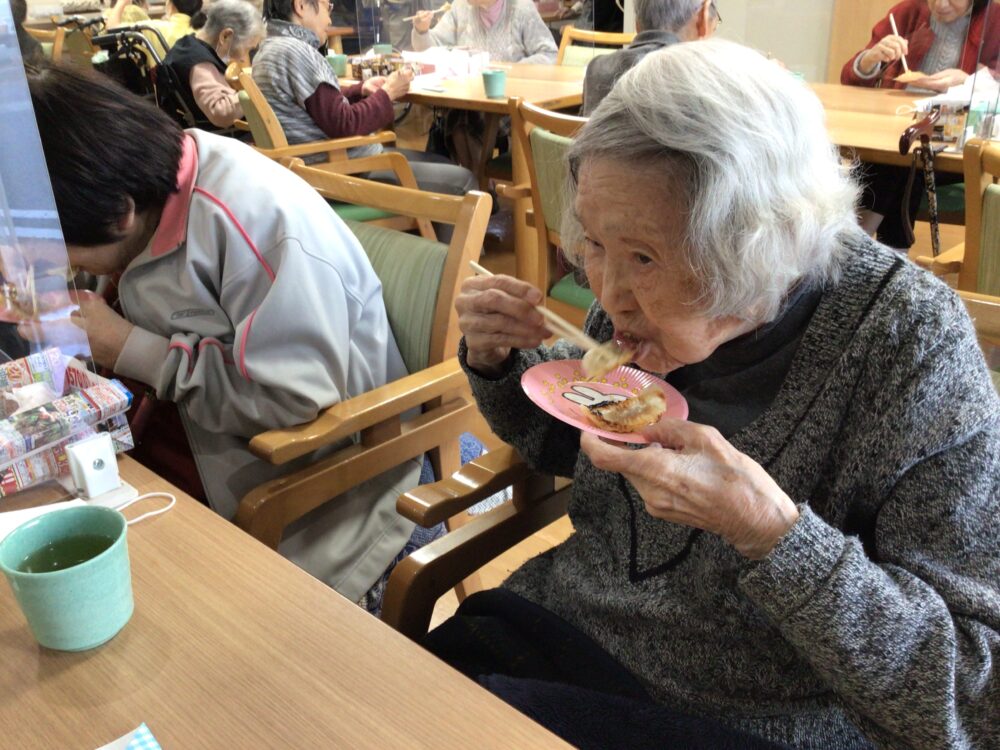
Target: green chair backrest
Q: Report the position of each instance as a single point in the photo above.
(410, 268)
(989, 246)
(260, 137)
(548, 152)
(578, 55)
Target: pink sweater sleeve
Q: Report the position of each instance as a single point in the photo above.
(214, 96)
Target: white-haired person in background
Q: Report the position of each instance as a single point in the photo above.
(813, 558)
(232, 28)
(659, 24)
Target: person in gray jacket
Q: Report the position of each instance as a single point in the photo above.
(814, 557)
(245, 301)
(659, 24)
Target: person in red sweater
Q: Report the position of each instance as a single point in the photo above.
(920, 24)
(945, 39)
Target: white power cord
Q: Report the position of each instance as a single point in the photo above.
(150, 514)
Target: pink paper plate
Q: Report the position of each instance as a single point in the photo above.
(560, 387)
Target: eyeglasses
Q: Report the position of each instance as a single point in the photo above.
(715, 10)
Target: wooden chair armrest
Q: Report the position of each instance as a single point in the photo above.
(429, 504)
(329, 147)
(950, 261)
(242, 125)
(356, 414)
(419, 580)
(514, 192)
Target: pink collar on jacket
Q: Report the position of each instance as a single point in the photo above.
(172, 229)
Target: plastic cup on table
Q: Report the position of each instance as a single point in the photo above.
(494, 83)
(338, 63)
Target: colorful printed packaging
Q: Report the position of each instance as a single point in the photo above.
(33, 442)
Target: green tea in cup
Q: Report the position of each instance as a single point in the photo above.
(69, 571)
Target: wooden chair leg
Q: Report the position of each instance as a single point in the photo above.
(473, 582)
(490, 130)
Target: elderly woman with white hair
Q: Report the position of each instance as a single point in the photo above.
(232, 28)
(813, 559)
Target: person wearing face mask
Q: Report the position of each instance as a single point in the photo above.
(945, 39)
(232, 28)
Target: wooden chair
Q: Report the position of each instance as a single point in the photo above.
(52, 41)
(419, 581)
(544, 137)
(579, 46)
(977, 260)
(269, 139)
(985, 313)
(420, 281)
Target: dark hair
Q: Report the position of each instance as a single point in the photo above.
(279, 10)
(103, 145)
(193, 9)
(978, 5)
(282, 10)
(19, 10)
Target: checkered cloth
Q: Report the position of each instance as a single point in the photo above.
(143, 739)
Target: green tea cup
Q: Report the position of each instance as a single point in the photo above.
(338, 63)
(494, 83)
(69, 570)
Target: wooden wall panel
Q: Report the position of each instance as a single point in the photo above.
(851, 29)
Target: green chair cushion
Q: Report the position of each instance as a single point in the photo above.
(351, 212)
(578, 55)
(568, 291)
(410, 269)
(548, 151)
(989, 251)
(47, 49)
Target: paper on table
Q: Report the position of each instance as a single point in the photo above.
(138, 739)
(14, 518)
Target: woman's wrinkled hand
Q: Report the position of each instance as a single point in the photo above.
(889, 48)
(497, 314)
(398, 83)
(943, 80)
(372, 85)
(422, 21)
(693, 476)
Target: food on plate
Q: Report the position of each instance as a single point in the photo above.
(630, 414)
(602, 359)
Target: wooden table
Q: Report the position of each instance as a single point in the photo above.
(864, 123)
(232, 646)
(549, 86)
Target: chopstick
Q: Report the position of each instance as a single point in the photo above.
(442, 9)
(558, 325)
(892, 22)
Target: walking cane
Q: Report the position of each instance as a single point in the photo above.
(924, 154)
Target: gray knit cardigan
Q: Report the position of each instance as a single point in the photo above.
(876, 619)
